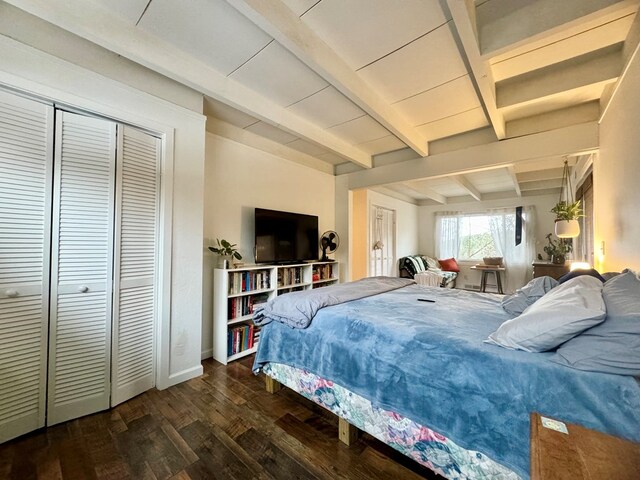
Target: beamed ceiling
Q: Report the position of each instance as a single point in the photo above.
(338, 84)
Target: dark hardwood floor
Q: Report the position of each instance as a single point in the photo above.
(223, 425)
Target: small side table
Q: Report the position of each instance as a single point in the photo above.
(580, 453)
(485, 271)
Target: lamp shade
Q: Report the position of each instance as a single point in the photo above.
(579, 266)
(567, 228)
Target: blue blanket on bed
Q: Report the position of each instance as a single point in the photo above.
(427, 361)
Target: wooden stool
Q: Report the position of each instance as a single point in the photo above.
(485, 271)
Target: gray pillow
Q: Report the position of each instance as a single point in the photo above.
(561, 314)
(516, 303)
(614, 345)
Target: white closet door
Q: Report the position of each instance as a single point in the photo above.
(134, 323)
(26, 146)
(82, 267)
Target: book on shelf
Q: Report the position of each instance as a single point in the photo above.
(242, 306)
(248, 281)
(241, 338)
(323, 272)
(289, 276)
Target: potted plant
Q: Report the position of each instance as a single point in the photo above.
(567, 214)
(557, 250)
(227, 252)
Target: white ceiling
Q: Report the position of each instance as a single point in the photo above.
(345, 80)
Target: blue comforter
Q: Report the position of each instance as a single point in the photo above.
(427, 361)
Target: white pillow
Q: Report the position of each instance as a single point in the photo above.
(561, 314)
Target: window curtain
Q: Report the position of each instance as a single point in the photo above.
(583, 244)
(517, 259)
(447, 238)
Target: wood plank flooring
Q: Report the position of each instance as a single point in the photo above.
(222, 425)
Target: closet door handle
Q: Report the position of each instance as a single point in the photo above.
(11, 293)
(83, 289)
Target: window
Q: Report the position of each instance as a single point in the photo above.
(489, 234)
(476, 240)
(584, 242)
(468, 237)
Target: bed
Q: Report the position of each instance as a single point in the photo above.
(418, 375)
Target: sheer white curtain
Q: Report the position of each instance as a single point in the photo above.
(517, 258)
(447, 236)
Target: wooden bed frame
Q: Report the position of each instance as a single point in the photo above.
(347, 433)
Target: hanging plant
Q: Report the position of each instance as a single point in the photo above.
(567, 211)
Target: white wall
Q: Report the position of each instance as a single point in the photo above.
(179, 339)
(238, 179)
(544, 225)
(616, 178)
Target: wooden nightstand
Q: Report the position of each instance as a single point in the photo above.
(541, 269)
(581, 453)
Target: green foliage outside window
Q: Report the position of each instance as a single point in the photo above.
(477, 246)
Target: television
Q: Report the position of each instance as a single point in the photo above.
(285, 237)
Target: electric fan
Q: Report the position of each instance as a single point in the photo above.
(329, 243)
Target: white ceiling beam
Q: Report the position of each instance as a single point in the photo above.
(534, 176)
(99, 25)
(603, 65)
(427, 192)
(463, 14)
(468, 186)
(630, 50)
(240, 135)
(555, 144)
(541, 184)
(502, 28)
(389, 192)
(277, 20)
(563, 117)
(514, 179)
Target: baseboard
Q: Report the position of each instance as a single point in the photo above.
(208, 353)
(180, 377)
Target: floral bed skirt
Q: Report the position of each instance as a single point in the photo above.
(416, 441)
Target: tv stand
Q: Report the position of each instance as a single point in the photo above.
(237, 291)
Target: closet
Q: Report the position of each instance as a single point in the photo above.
(78, 228)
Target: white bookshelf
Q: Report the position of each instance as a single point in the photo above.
(232, 302)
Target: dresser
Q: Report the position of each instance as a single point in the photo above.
(564, 451)
(542, 269)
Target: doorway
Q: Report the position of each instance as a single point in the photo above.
(382, 241)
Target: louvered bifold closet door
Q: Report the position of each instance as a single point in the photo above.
(26, 149)
(82, 267)
(138, 180)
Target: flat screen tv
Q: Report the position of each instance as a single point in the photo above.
(285, 237)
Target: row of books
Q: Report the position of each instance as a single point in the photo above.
(289, 276)
(241, 306)
(242, 338)
(322, 272)
(249, 281)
